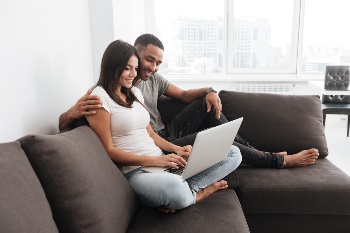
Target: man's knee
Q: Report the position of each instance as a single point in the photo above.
(200, 103)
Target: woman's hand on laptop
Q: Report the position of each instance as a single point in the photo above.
(170, 160)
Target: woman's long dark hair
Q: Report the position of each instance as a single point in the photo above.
(114, 61)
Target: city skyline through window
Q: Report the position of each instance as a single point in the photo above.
(193, 37)
(325, 38)
(249, 36)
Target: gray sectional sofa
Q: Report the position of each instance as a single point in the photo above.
(67, 183)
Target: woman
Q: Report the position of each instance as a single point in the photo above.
(122, 124)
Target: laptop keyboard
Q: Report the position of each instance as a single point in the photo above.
(176, 171)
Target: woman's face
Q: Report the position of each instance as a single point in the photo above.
(129, 72)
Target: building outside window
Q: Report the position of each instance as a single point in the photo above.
(193, 36)
(326, 37)
(223, 37)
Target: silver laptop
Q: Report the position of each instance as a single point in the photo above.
(210, 147)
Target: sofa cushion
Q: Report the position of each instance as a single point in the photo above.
(220, 212)
(86, 191)
(321, 188)
(276, 122)
(24, 207)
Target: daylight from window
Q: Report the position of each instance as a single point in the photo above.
(252, 36)
(192, 33)
(326, 37)
(262, 35)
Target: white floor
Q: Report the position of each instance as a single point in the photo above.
(337, 141)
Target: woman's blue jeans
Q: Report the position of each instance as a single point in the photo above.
(171, 191)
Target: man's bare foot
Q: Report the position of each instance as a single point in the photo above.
(165, 210)
(204, 193)
(301, 159)
(284, 153)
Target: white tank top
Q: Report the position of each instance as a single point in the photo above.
(128, 126)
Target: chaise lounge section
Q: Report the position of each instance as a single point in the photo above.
(303, 199)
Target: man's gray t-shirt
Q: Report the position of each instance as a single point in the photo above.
(151, 90)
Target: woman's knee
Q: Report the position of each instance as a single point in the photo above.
(178, 193)
(235, 153)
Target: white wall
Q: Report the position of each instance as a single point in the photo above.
(45, 63)
(129, 19)
(101, 27)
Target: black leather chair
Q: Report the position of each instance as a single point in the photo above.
(336, 79)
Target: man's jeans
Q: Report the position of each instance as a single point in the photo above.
(171, 191)
(184, 126)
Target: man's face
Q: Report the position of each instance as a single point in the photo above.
(151, 58)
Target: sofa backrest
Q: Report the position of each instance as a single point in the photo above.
(277, 122)
(23, 205)
(86, 191)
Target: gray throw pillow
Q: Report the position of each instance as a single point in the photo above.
(86, 191)
(23, 205)
(277, 122)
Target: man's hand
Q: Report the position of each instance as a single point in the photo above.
(213, 100)
(85, 106)
(184, 151)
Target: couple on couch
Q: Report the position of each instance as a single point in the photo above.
(128, 124)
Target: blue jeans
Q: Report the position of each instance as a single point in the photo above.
(184, 126)
(171, 191)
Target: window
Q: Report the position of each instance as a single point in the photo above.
(326, 37)
(218, 38)
(193, 35)
(261, 36)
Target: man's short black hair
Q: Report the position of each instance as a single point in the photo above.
(145, 39)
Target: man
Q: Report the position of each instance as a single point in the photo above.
(204, 108)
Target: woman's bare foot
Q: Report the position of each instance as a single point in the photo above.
(204, 193)
(301, 159)
(165, 210)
